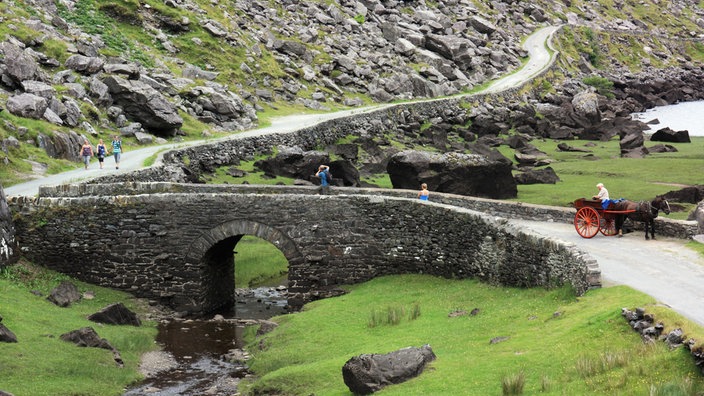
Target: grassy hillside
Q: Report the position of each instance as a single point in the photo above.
(556, 344)
(41, 364)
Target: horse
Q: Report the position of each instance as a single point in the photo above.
(643, 211)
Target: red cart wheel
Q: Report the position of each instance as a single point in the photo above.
(586, 222)
(607, 226)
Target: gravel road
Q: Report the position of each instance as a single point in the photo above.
(663, 268)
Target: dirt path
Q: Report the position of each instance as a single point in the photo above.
(663, 268)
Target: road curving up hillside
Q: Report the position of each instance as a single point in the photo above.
(540, 58)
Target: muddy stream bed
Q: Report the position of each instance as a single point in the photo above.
(197, 355)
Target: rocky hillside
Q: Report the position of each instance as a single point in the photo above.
(151, 70)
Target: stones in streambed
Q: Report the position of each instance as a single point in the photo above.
(368, 373)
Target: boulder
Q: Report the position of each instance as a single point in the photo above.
(144, 104)
(64, 294)
(18, 65)
(5, 334)
(632, 141)
(463, 174)
(84, 64)
(27, 105)
(116, 314)
(87, 337)
(293, 162)
(670, 136)
(537, 176)
(691, 194)
(368, 373)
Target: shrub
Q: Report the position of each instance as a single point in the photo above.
(603, 86)
(512, 384)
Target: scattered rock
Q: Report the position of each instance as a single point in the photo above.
(116, 314)
(368, 373)
(65, 294)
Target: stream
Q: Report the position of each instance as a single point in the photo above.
(197, 355)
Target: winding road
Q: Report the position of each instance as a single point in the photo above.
(539, 59)
(664, 268)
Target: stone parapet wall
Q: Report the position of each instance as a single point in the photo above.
(508, 209)
(174, 246)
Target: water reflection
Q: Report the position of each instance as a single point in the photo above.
(199, 357)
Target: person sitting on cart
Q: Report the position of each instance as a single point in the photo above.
(602, 196)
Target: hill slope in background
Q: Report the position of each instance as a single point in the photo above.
(152, 70)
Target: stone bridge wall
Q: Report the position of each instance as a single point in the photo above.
(174, 247)
(508, 209)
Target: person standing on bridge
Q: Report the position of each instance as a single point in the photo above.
(117, 150)
(325, 179)
(86, 152)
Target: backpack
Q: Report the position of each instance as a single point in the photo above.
(329, 175)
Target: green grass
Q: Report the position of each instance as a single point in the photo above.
(257, 262)
(587, 349)
(632, 178)
(40, 363)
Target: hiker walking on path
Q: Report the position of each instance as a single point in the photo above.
(86, 152)
(117, 150)
(101, 151)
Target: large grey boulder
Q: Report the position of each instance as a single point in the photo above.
(463, 174)
(368, 373)
(671, 136)
(84, 64)
(65, 294)
(18, 65)
(293, 162)
(27, 105)
(144, 104)
(61, 145)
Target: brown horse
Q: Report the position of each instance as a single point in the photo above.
(643, 211)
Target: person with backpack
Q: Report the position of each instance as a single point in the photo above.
(325, 179)
(102, 150)
(117, 150)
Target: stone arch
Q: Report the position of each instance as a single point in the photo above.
(212, 255)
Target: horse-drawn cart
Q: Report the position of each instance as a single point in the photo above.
(591, 218)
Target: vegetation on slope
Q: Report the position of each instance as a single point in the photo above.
(556, 343)
(40, 363)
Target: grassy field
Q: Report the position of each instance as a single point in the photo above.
(42, 364)
(258, 261)
(632, 178)
(557, 344)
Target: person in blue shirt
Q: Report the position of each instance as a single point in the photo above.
(325, 179)
(423, 194)
(117, 150)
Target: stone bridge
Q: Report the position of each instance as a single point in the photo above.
(174, 242)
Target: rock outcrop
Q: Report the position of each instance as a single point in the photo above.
(463, 174)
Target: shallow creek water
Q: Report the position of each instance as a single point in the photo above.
(196, 356)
